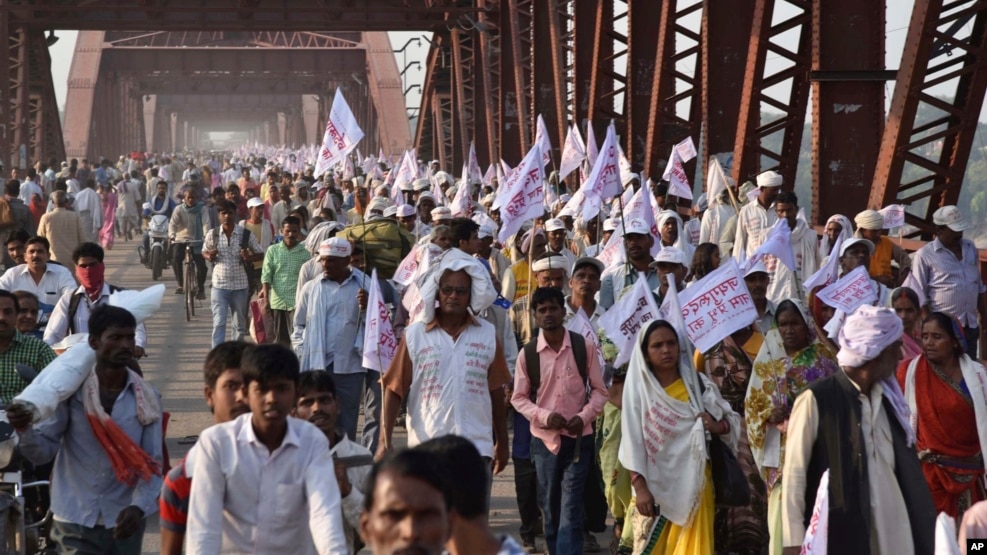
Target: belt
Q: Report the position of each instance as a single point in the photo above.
(975, 462)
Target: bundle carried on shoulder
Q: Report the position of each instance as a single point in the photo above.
(384, 244)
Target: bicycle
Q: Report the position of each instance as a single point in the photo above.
(191, 279)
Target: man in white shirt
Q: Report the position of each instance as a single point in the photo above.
(47, 281)
(264, 482)
(90, 208)
(30, 190)
(317, 403)
(557, 239)
(755, 218)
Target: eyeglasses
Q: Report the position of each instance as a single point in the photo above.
(449, 291)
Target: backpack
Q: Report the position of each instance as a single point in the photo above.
(74, 306)
(384, 244)
(532, 362)
(6, 214)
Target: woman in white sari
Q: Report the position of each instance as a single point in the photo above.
(668, 410)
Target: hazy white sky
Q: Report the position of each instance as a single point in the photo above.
(898, 15)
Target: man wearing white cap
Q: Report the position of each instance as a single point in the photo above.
(757, 217)
(851, 424)
(425, 204)
(406, 217)
(617, 279)
(757, 281)
(328, 327)
(856, 252)
(282, 265)
(671, 263)
(946, 276)
(786, 283)
(549, 269)
(441, 215)
(870, 226)
(557, 236)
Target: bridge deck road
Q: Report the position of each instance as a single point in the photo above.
(176, 351)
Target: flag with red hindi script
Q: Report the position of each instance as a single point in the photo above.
(573, 153)
(716, 306)
(523, 195)
(543, 141)
(379, 341)
(640, 206)
(816, 540)
(627, 316)
(854, 289)
(829, 272)
(341, 136)
(604, 180)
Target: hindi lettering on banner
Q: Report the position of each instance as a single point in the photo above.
(850, 291)
(379, 342)
(604, 180)
(678, 181)
(613, 252)
(543, 141)
(407, 268)
(894, 216)
(523, 196)
(816, 540)
(341, 136)
(625, 318)
(716, 306)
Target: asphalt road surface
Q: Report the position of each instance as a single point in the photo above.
(175, 353)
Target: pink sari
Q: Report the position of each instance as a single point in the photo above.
(106, 233)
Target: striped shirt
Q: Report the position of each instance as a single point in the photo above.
(175, 492)
(281, 268)
(23, 350)
(228, 273)
(948, 284)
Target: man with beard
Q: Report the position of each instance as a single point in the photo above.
(16, 245)
(317, 404)
(225, 396)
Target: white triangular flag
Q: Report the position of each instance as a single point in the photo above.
(379, 341)
(341, 136)
(573, 153)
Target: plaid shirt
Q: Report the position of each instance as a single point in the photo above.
(281, 268)
(25, 350)
(228, 272)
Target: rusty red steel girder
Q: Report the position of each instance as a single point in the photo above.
(790, 70)
(725, 35)
(677, 60)
(924, 161)
(550, 23)
(848, 81)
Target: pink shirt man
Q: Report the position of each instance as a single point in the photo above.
(561, 390)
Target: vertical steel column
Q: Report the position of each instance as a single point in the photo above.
(485, 100)
(462, 88)
(605, 82)
(847, 103)
(726, 36)
(943, 53)
(642, 48)
(519, 34)
(676, 81)
(6, 106)
(18, 57)
(583, 55)
(550, 88)
(768, 83)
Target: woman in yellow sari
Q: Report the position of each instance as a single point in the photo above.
(668, 410)
(791, 358)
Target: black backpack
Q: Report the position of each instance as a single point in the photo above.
(244, 244)
(74, 306)
(532, 362)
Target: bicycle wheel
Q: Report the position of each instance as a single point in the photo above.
(189, 290)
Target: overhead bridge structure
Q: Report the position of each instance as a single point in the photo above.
(739, 76)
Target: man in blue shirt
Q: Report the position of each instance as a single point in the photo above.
(98, 506)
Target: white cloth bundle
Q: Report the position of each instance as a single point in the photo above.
(66, 374)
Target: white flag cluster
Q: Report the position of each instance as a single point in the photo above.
(522, 195)
(678, 181)
(379, 342)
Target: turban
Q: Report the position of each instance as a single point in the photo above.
(526, 239)
(769, 178)
(869, 219)
(549, 261)
(320, 233)
(866, 333)
(482, 292)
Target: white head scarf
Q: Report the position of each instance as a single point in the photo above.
(482, 292)
(867, 332)
(845, 233)
(682, 241)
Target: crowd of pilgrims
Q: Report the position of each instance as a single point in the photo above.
(750, 390)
